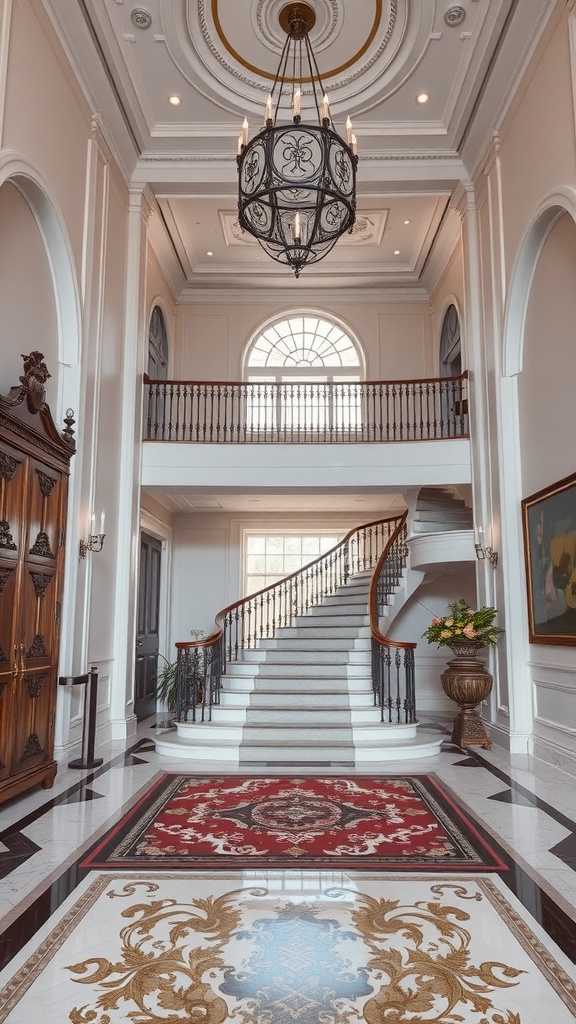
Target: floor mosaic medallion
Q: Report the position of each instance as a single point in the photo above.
(290, 947)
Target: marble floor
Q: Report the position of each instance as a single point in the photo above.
(277, 947)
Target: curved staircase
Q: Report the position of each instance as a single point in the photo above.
(305, 695)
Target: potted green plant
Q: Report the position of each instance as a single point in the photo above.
(166, 680)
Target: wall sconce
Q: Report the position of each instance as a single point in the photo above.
(95, 541)
(483, 552)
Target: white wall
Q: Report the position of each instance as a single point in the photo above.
(26, 293)
(395, 337)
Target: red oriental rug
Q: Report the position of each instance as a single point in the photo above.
(369, 822)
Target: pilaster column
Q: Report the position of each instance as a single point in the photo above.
(133, 364)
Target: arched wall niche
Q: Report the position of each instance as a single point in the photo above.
(554, 206)
(546, 380)
(37, 265)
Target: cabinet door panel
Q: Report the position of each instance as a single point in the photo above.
(34, 721)
(43, 504)
(13, 473)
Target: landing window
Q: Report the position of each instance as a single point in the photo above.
(271, 556)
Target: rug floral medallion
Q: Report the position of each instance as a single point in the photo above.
(290, 948)
(393, 822)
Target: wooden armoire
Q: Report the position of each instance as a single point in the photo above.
(34, 468)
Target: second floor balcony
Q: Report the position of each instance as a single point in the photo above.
(306, 412)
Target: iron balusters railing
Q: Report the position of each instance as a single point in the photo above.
(240, 626)
(392, 661)
(306, 413)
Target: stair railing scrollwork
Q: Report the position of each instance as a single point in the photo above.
(241, 625)
(392, 660)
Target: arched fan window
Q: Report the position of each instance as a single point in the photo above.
(311, 365)
(450, 344)
(157, 346)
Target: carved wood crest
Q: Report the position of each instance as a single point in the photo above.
(33, 380)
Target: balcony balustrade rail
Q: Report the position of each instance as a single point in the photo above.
(206, 412)
(393, 676)
(240, 626)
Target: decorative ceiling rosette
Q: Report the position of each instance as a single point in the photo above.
(365, 49)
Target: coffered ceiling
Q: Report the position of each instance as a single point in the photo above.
(219, 57)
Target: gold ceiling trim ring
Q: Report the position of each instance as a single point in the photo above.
(271, 76)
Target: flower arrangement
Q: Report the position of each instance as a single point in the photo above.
(463, 625)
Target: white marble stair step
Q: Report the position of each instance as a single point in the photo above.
(297, 656)
(290, 643)
(309, 630)
(355, 612)
(367, 752)
(320, 670)
(289, 731)
(303, 684)
(318, 717)
(351, 601)
(277, 697)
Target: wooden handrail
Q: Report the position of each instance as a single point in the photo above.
(366, 383)
(373, 598)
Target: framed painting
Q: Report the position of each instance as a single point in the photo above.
(549, 525)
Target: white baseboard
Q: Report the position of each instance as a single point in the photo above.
(553, 754)
(123, 728)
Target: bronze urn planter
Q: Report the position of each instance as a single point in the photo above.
(467, 682)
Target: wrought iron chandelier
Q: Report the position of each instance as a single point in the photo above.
(297, 181)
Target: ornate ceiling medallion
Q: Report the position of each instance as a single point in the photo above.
(141, 18)
(455, 15)
(327, 18)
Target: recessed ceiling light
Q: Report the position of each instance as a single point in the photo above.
(396, 252)
(422, 97)
(175, 100)
(406, 221)
(209, 253)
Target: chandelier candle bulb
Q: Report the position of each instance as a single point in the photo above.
(353, 144)
(349, 131)
(297, 98)
(268, 115)
(325, 108)
(244, 135)
(296, 228)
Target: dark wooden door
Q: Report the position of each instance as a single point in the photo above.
(148, 626)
